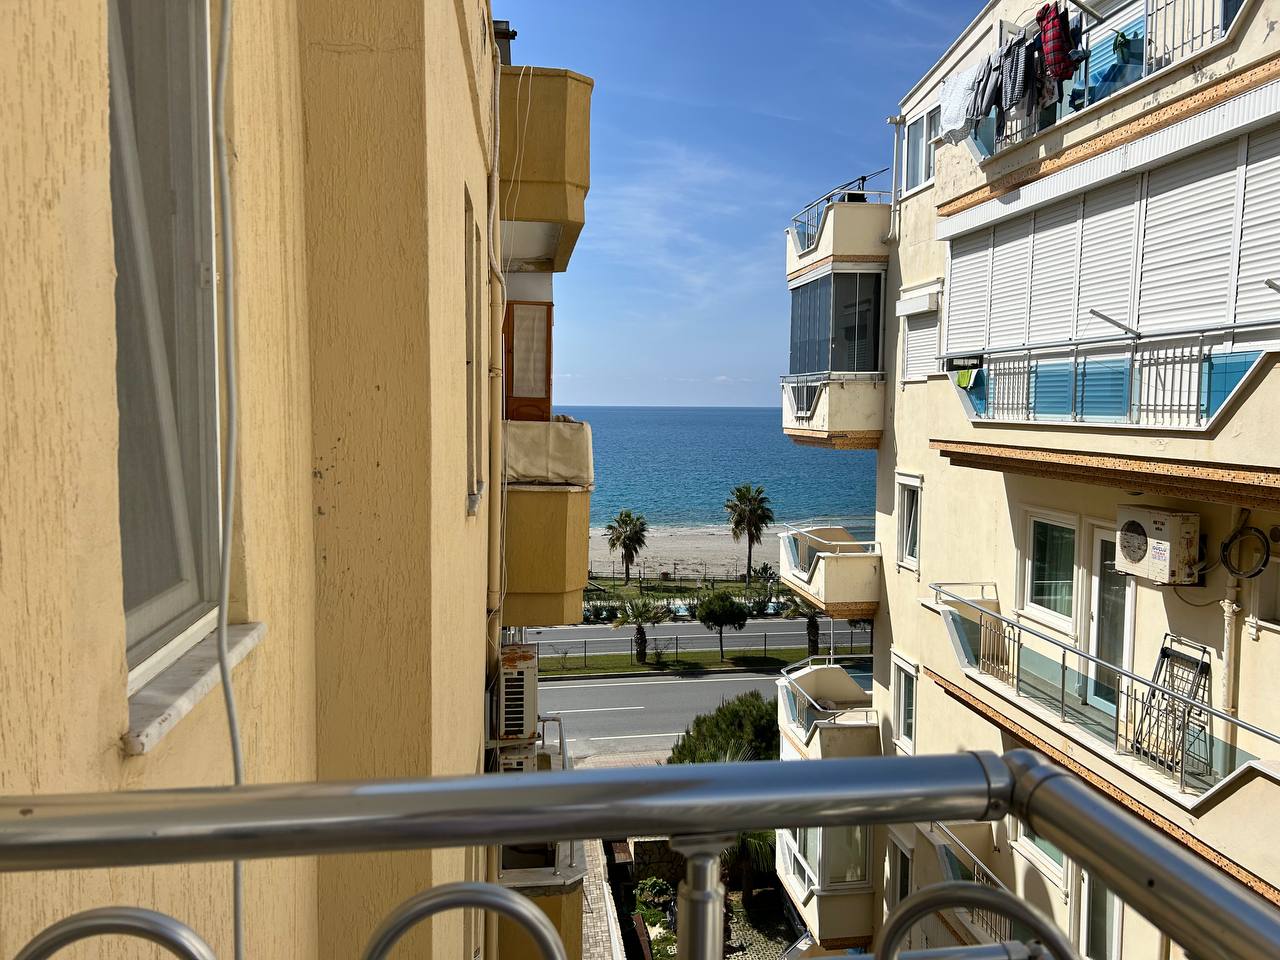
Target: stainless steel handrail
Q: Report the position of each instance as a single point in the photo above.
(1145, 868)
(1195, 705)
(223, 823)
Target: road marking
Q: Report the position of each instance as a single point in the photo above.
(593, 710)
(647, 683)
(629, 736)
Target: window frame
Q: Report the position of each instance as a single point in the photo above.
(924, 153)
(1024, 842)
(474, 358)
(904, 669)
(1087, 884)
(904, 482)
(1065, 624)
(898, 855)
(161, 628)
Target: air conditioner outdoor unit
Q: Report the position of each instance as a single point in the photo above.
(518, 758)
(1158, 545)
(518, 693)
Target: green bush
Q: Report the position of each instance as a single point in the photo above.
(742, 728)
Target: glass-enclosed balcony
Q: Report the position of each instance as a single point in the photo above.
(835, 564)
(834, 393)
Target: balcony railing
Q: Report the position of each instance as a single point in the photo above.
(805, 224)
(700, 806)
(804, 389)
(1174, 381)
(1170, 733)
(805, 711)
(970, 867)
(1120, 49)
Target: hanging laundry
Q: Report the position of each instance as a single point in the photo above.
(958, 92)
(1056, 39)
(1015, 71)
(987, 91)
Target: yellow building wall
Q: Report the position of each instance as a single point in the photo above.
(63, 689)
(565, 912)
(397, 104)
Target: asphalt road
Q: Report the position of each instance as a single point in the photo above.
(693, 636)
(631, 715)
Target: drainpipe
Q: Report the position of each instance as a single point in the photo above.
(896, 122)
(497, 469)
(1231, 646)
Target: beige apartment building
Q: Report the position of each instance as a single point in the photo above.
(1059, 330)
(385, 510)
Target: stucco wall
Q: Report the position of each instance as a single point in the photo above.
(65, 706)
(397, 102)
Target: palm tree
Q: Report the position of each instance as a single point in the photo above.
(637, 613)
(799, 607)
(627, 532)
(749, 513)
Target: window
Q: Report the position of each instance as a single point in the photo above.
(827, 856)
(922, 137)
(1051, 568)
(1099, 920)
(909, 521)
(1047, 856)
(904, 704)
(1266, 594)
(474, 261)
(919, 346)
(166, 381)
(835, 324)
(898, 887)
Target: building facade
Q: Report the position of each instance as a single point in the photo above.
(378, 193)
(1077, 515)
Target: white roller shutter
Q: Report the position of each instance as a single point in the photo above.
(1010, 278)
(1053, 272)
(1106, 258)
(919, 346)
(967, 292)
(1187, 242)
(1260, 231)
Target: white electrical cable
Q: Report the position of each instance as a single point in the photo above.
(232, 436)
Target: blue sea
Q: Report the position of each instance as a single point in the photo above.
(676, 465)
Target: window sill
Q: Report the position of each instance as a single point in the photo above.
(1047, 618)
(917, 189)
(156, 708)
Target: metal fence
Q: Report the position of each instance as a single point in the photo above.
(995, 925)
(701, 807)
(1171, 733)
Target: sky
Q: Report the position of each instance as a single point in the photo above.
(712, 124)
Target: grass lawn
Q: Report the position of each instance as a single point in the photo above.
(692, 661)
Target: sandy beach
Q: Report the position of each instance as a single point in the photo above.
(688, 548)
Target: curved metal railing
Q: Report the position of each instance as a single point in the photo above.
(701, 807)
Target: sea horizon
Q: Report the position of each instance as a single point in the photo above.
(676, 464)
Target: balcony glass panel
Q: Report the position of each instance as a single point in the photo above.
(835, 324)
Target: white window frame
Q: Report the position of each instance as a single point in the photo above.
(905, 481)
(902, 667)
(926, 159)
(162, 628)
(1033, 611)
(1082, 913)
(1260, 583)
(898, 852)
(1021, 841)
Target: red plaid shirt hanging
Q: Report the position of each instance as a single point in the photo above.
(1056, 43)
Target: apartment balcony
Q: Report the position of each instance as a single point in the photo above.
(1156, 34)
(700, 806)
(824, 707)
(834, 565)
(824, 712)
(545, 165)
(846, 225)
(1165, 734)
(838, 410)
(548, 872)
(1183, 382)
(548, 510)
